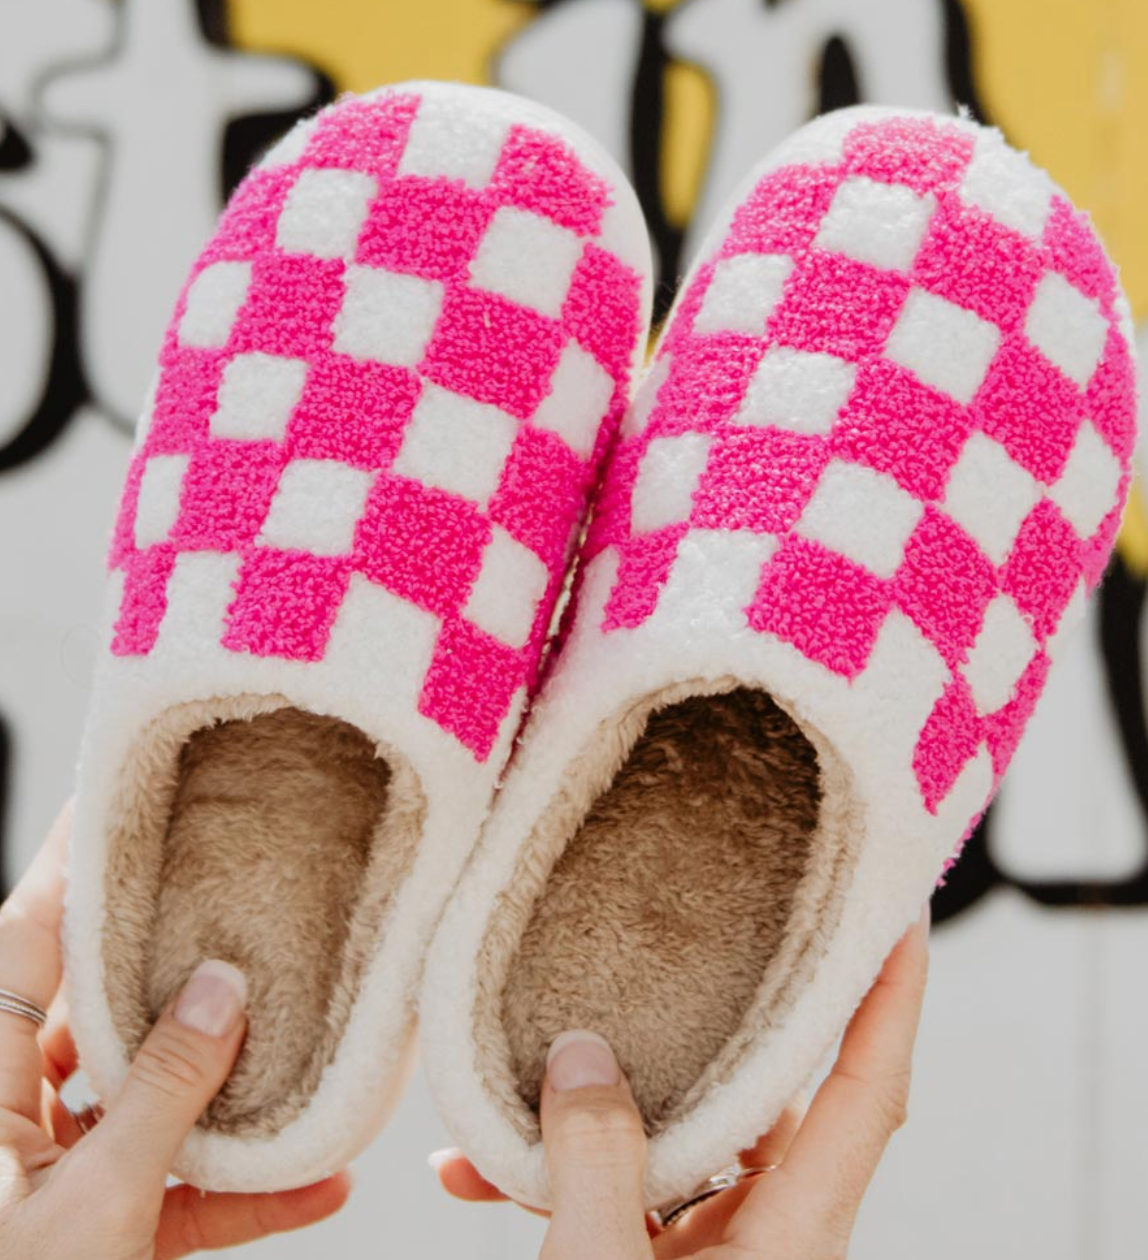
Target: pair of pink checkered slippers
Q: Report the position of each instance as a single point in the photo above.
(836, 534)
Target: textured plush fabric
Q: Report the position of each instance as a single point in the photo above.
(874, 470)
(383, 398)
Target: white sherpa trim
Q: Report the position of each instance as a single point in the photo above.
(865, 732)
(370, 676)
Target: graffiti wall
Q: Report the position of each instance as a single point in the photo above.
(123, 123)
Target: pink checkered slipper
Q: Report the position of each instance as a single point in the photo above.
(877, 465)
(380, 407)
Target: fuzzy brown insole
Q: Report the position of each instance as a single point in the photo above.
(659, 920)
(263, 865)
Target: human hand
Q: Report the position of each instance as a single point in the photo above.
(103, 1195)
(820, 1162)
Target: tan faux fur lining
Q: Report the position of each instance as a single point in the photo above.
(671, 898)
(252, 831)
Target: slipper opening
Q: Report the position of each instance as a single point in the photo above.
(275, 839)
(676, 893)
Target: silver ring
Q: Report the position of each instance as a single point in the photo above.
(14, 1004)
(724, 1180)
(88, 1117)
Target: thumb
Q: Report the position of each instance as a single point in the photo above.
(178, 1070)
(596, 1152)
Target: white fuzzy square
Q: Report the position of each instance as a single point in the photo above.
(903, 679)
(291, 145)
(1066, 327)
(798, 390)
(1006, 185)
(316, 507)
(1086, 491)
(504, 598)
(579, 398)
(714, 578)
(944, 345)
(644, 401)
(527, 258)
(457, 444)
(324, 212)
(881, 224)
(989, 495)
(387, 316)
(380, 636)
(158, 502)
(742, 293)
(1070, 619)
(862, 514)
(442, 142)
(199, 593)
(667, 478)
(213, 301)
(257, 395)
(999, 657)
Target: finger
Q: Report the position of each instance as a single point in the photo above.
(59, 1050)
(30, 967)
(193, 1221)
(596, 1153)
(771, 1148)
(178, 1070)
(459, 1178)
(862, 1102)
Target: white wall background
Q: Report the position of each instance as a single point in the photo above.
(1029, 1126)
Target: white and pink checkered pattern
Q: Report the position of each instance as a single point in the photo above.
(900, 388)
(399, 361)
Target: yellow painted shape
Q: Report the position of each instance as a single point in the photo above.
(363, 43)
(1068, 80)
(691, 114)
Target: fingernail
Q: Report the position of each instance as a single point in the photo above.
(436, 1159)
(580, 1058)
(213, 999)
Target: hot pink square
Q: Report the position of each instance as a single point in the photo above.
(706, 385)
(917, 152)
(1044, 567)
(1004, 728)
(783, 213)
(363, 135)
(1077, 254)
(645, 563)
(540, 497)
(285, 603)
(1096, 551)
(949, 741)
(185, 400)
(836, 305)
(610, 522)
(424, 227)
(493, 350)
(248, 224)
(899, 426)
(423, 544)
(829, 608)
(290, 307)
(758, 479)
(123, 544)
(971, 260)
(540, 173)
(1030, 408)
(602, 307)
(944, 585)
(351, 410)
(227, 491)
(144, 600)
(1111, 397)
(470, 684)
